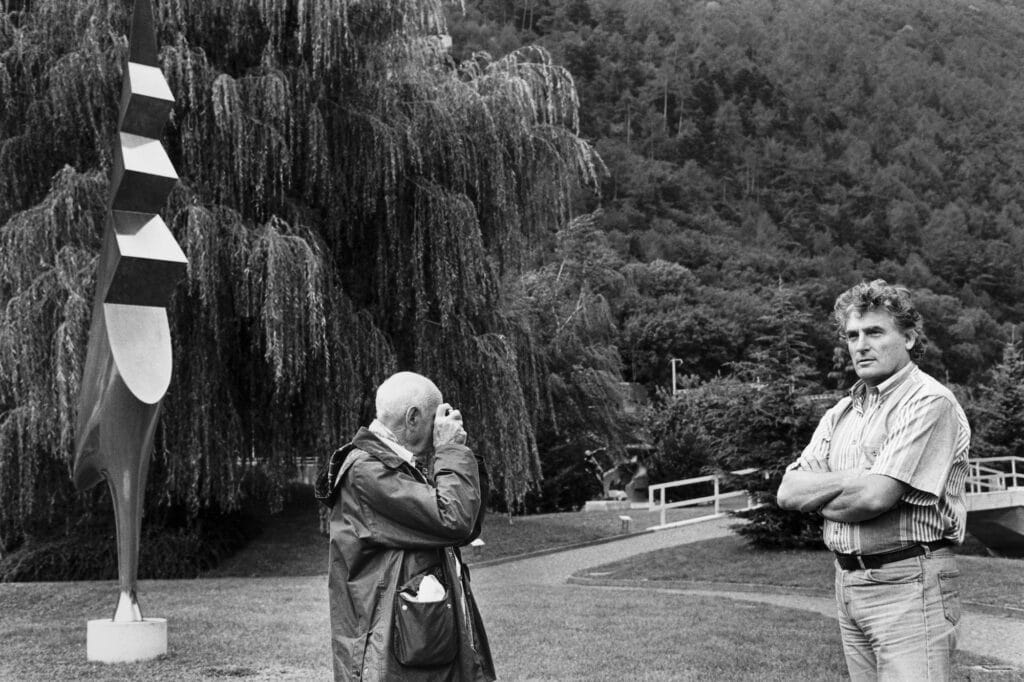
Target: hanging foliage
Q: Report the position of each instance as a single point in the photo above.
(349, 201)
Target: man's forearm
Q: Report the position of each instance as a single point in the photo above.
(809, 491)
(847, 507)
(864, 497)
(848, 496)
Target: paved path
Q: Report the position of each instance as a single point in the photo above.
(555, 569)
(993, 636)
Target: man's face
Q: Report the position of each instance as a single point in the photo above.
(877, 346)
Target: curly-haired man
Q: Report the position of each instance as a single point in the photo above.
(886, 468)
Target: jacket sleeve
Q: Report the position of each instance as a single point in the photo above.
(400, 511)
(485, 491)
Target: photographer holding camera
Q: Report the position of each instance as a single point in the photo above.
(405, 494)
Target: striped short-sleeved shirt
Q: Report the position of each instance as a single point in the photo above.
(910, 428)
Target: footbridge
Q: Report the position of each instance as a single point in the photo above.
(995, 504)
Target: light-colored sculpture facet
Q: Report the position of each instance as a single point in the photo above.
(146, 101)
(147, 262)
(143, 175)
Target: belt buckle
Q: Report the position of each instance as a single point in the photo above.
(860, 562)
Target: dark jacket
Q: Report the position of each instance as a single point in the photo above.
(389, 524)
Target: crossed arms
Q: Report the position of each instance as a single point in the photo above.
(848, 496)
(916, 458)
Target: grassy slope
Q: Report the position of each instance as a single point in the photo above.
(985, 580)
(290, 544)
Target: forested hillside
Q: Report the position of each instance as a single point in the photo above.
(801, 146)
(761, 158)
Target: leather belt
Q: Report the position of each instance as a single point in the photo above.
(857, 562)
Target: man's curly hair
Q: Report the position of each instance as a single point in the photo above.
(880, 295)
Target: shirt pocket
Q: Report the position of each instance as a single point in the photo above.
(867, 451)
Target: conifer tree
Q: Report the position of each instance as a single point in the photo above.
(998, 413)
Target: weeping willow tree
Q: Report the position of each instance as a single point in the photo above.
(350, 200)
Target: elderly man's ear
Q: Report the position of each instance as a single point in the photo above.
(418, 429)
(412, 417)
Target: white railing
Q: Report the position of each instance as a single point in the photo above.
(657, 502)
(983, 478)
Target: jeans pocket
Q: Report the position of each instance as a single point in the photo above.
(949, 588)
(894, 575)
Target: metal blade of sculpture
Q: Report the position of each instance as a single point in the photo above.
(128, 365)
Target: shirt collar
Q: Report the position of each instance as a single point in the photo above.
(391, 440)
(861, 391)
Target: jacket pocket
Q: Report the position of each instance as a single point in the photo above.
(424, 633)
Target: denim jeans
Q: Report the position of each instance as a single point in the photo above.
(900, 621)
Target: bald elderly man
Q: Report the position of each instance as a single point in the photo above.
(405, 494)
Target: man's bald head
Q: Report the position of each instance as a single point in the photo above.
(406, 403)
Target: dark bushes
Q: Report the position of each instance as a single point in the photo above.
(166, 551)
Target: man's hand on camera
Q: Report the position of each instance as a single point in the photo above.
(448, 426)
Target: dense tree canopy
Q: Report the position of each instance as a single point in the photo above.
(762, 158)
(350, 199)
(812, 143)
(357, 197)
(566, 304)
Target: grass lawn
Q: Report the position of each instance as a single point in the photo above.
(267, 628)
(275, 627)
(985, 580)
(504, 537)
(614, 635)
(291, 545)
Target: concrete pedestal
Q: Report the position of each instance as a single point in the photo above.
(111, 642)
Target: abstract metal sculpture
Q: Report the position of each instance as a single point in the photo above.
(128, 366)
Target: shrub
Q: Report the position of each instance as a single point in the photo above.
(166, 552)
(571, 478)
(769, 527)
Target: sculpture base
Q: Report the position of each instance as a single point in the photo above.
(111, 642)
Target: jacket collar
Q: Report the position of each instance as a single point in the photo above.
(368, 441)
(388, 438)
